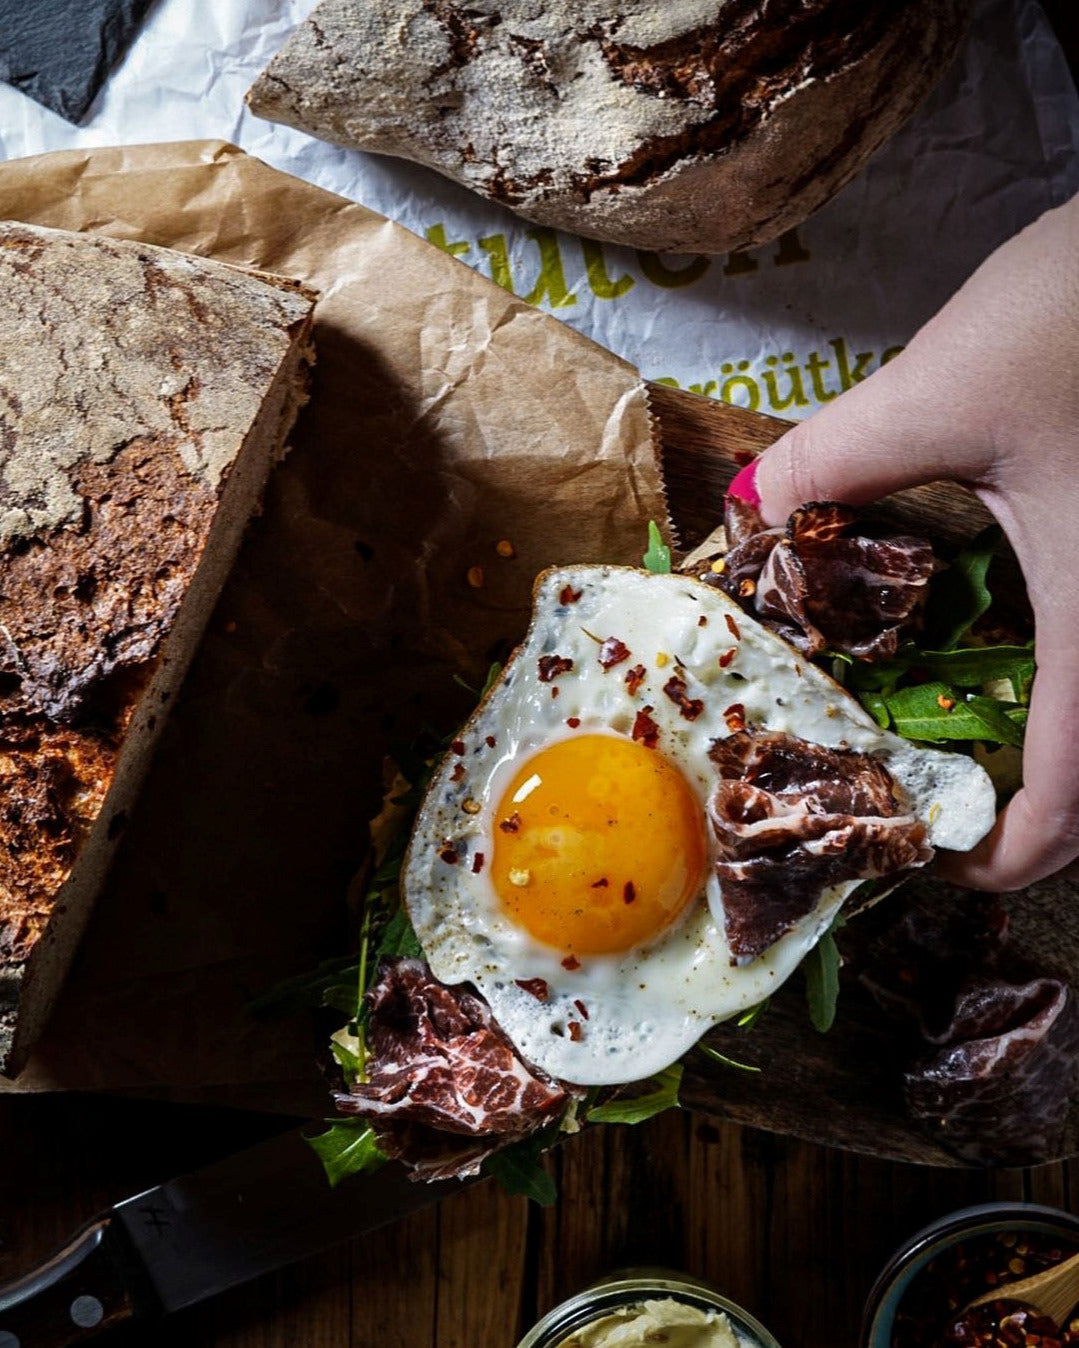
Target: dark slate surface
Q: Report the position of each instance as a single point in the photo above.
(60, 52)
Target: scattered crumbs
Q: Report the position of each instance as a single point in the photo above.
(520, 878)
(474, 576)
(505, 548)
(831, 710)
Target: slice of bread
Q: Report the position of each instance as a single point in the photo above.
(144, 396)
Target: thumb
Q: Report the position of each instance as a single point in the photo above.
(888, 432)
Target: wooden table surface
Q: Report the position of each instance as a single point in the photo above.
(794, 1232)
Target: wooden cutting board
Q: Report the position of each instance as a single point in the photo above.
(842, 1088)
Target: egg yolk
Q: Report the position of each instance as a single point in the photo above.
(598, 845)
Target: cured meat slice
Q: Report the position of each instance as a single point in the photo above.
(995, 1086)
(997, 1093)
(792, 818)
(822, 588)
(440, 1064)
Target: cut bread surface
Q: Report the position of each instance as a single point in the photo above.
(144, 396)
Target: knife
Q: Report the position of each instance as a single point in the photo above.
(196, 1236)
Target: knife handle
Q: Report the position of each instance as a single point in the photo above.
(81, 1291)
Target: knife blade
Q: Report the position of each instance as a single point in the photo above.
(198, 1235)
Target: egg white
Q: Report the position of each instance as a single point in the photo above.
(646, 1007)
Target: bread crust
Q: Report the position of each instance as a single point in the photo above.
(131, 379)
(686, 127)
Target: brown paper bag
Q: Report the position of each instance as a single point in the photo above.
(446, 416)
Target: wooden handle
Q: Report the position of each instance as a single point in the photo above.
(82, 1291)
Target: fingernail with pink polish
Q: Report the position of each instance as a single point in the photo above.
(744, 485)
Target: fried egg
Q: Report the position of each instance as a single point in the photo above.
(561, 858)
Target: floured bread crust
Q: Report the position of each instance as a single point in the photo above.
(687, 126)
(143, 397)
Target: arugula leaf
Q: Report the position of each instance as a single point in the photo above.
(966, 667)
(658, 557)
(923, 713)
(876, 704)
(348, 1061)
(749, 1018)
(347, 1147)
(727, 1062)
(306, 990)
(642, 1107)
(520, 1172)
(959, 596)
(398, 938)
(822, 979)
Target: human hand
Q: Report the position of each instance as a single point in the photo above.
(986, 394)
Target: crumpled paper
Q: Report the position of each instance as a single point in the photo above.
(782, 329)
(446, 417)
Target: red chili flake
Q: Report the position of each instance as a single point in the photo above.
(945, 703)
(554, 690)
(550, 666)
(571, 962)
(510, 825)
(569, 595)
(629, 892)
(645, 730)
(732, 626)
(600, 884)
(613, 652)
(747, 588)
(743, 457)
(634, 679)
(535, 987)
(690, 707)
(458, 772)
(489, 740)
(458, 746)
(727, 657)
(477, 862)
(449, 855)
(581, 1008)
(575, 1032)
(573, 722)
(735, 716)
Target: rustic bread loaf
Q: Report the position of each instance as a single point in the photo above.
(144, 396)
(686, 126)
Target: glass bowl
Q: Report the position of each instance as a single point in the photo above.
(912, 1257)
(630, 1287)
